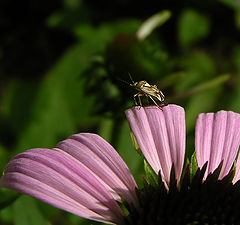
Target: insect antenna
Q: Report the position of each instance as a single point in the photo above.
(130, 77)
(122, 80)
(131, 84)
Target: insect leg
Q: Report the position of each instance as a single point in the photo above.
(162, 100)
(135, 100)
(139, 99)
(154, 101)
(165, 103)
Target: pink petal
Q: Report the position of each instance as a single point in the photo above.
(103, 160)
(161, 135)
(68, 181)
(217, 140)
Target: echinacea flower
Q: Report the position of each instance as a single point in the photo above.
(85, 175)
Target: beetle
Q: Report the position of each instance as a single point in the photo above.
(148, 90)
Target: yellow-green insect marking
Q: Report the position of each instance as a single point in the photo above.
(151, 91)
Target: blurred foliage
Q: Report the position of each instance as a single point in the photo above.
(64, 69)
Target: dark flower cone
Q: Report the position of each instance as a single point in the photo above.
(212, 201)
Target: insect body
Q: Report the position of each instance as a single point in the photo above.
(151, 91)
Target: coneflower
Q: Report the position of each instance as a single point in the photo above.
(85, 175)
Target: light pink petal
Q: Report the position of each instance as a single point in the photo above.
(217, 140)
(104, 162)
(161, 135)
(203, 138)
(64, 179)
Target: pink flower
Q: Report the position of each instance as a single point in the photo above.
(161, 137)
(217, 140)
(85, 175)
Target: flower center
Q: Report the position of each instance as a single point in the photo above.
(194, 202)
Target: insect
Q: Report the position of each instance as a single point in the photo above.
(148, 90)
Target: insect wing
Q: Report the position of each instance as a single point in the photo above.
(153, 91)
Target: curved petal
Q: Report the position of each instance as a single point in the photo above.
(161, 136)
(104, 162)
(217, 138)
(64, 179)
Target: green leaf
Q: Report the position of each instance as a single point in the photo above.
(232, 3)
(199, 103)
(4, 158)
(135, 144)
(198, 61)
(205, 86)
(58, 105)
(192, 27)
(151, 176)
(105, 128)
(7, 197)
(173, 79)
(26, 212)
(152, 23)
(211, 84)
(129, 155)
(197, 67)
(193, 165)
(233, 101)
(105, 32)
(6, 215)
(201, 98)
